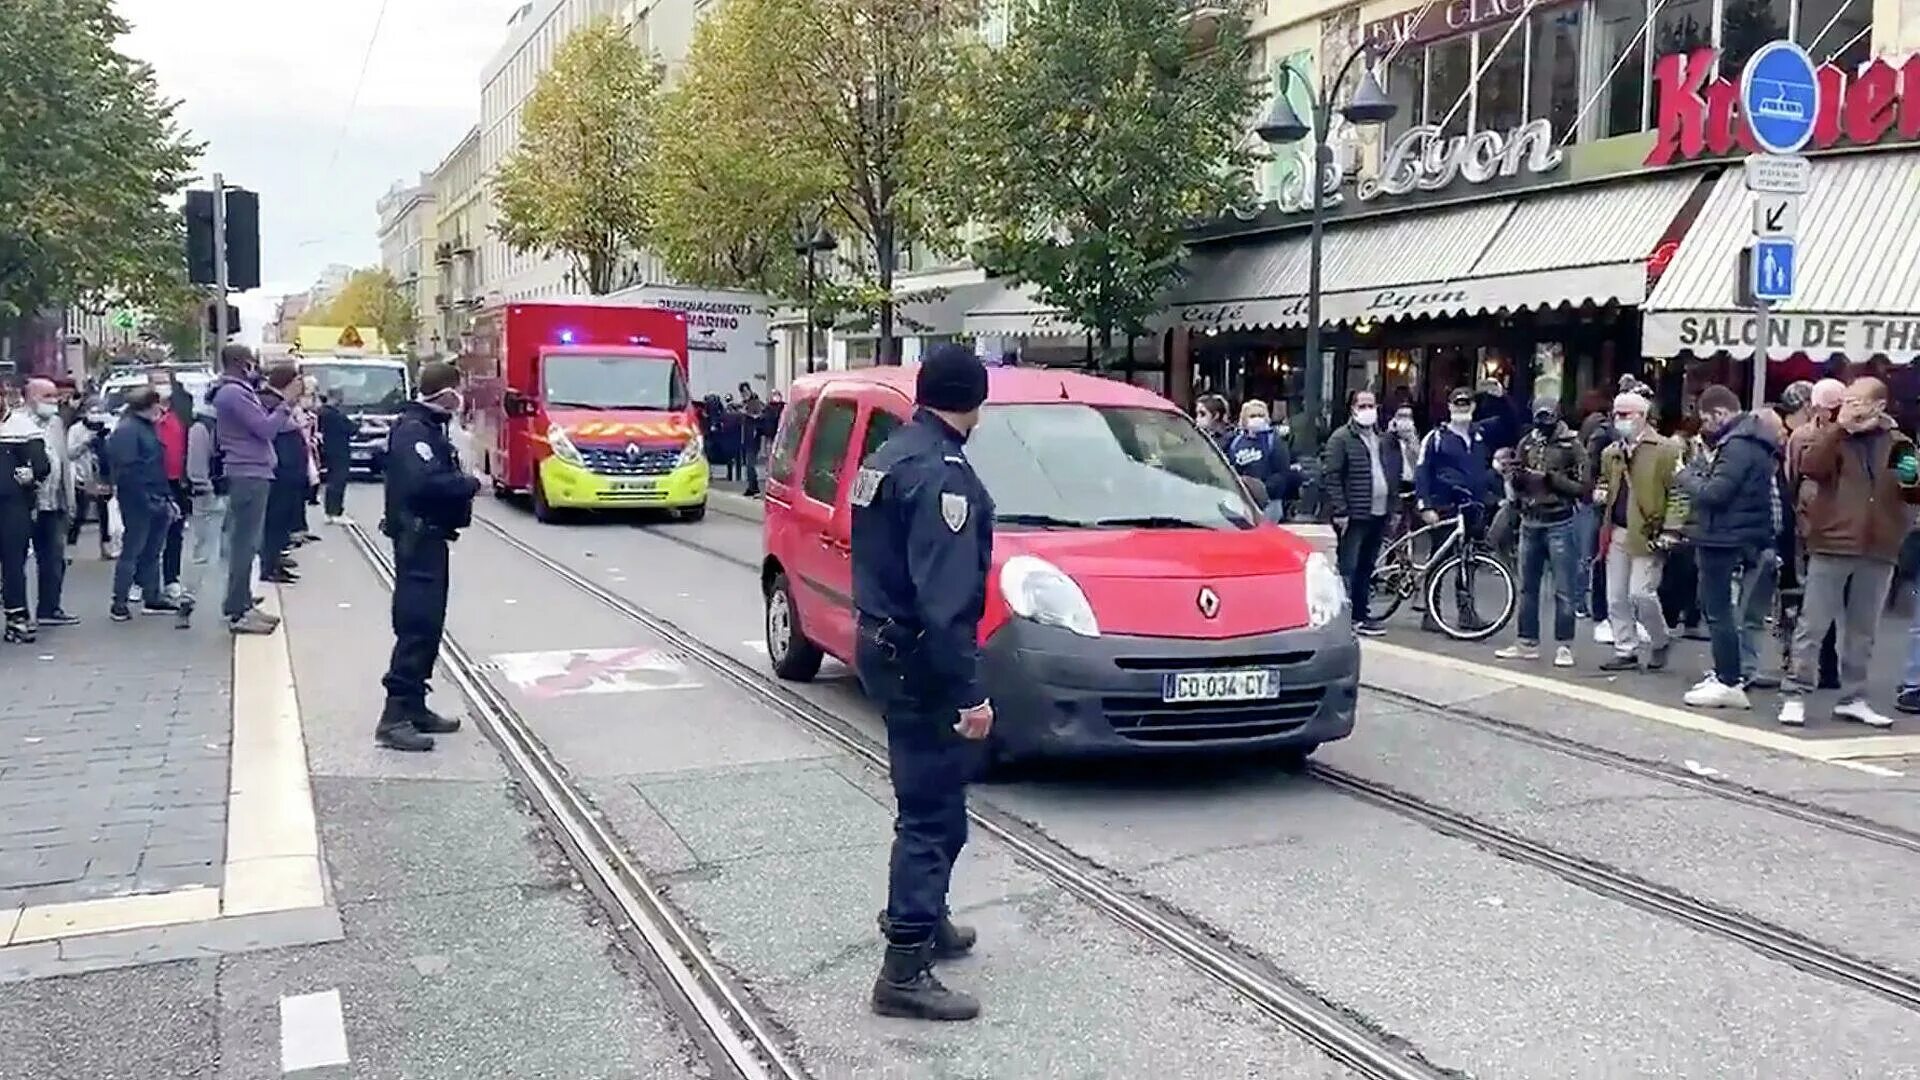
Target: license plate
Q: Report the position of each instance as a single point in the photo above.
(1250, 684)
(635, 485)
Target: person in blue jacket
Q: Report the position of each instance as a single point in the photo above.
(1456, 463)
(1258, 451)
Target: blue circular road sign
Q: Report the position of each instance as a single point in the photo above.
(1780, 95)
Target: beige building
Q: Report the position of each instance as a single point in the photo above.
(461, 207)
(407, 240)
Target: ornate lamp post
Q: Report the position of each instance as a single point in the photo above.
(809, 246)
(1283, 127)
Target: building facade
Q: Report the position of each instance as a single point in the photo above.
(408, 224)
(460, 222)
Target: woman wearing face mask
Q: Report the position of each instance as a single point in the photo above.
(1258, 451)
(24, 466)
(1210, 414)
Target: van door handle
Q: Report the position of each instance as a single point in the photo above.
(836, 543)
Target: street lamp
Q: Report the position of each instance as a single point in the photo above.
(1283, 127)
(811, 245)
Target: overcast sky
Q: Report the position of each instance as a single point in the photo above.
(268, 85)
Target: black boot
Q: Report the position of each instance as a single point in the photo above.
(396, 730)
(907, 988)
(428, 722)
(950, 941)
(19, 628)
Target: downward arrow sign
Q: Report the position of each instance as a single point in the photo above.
(1774, 214)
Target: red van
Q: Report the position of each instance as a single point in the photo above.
(1138, 600)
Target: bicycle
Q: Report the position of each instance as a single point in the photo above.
(1461, 556)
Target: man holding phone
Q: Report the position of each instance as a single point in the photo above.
(1549, 478)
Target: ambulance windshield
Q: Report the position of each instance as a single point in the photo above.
(576, 381)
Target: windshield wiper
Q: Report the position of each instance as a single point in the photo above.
(1044, 521)
(576, 405)
(1149, 521)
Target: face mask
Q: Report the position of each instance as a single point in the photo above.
(1258, 423)
(1626, 427)
(46, 410)
(1460, 416)
(1365, 416)
(1546, 422)
(447, 401)
(1403, 424)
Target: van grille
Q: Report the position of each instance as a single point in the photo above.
(610, 462)
(1145, 718)
(1213, 663)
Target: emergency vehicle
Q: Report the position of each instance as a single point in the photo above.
(1138, 601)
(583, 405)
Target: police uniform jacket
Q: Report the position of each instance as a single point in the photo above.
(922, 548)
(428, 492)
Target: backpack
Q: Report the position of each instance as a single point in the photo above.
(216, 458)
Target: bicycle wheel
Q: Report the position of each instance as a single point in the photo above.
(1471, 597)
(1389, 586)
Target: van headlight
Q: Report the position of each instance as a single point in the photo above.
(1038, 590)
(692, 452)
(563, 447)
(1326, 593)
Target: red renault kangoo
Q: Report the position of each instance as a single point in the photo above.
(1138, 601)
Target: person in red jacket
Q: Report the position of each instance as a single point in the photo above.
(172, 429)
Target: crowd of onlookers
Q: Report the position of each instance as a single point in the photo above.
(737, 429)
(175, 482)
(1783, 522)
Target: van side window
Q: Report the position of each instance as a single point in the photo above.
(880, 424)
(831, 434)
(786, 445)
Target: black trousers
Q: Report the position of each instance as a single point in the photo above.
(16, 531)
(50, 559)
(176, 537)
(283, 517)
(931, 765)
(419, 615)
(336, 488)
(1358, 548)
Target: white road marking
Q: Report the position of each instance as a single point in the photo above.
(1832, 751)
(594, 671)
(509, 600)
(313, 1032)
(273, 839)
(756, 645)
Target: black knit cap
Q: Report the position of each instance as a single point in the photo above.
(951, 379)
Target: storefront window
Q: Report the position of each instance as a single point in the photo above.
(1747, 25)
(1406, 84)
(1501, 99)
(1682, 26)
(1553, 85)
(1450, 85)
(1836, 31)
(1621, 53)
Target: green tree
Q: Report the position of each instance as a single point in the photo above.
(90, 157)
(577, 184)
(847, 98)
(1092, 141)
(177, 316)
(371, 297)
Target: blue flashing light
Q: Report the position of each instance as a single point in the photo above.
(566, 337)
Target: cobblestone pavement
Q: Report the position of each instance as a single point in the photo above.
(113, 754)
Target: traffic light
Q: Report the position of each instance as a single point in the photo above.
(213, 323)
(243, 240)
(199, 215)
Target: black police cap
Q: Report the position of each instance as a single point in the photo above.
(951, 379)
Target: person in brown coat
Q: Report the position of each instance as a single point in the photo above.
(1857, 477)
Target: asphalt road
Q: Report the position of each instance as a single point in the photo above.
(470, 951)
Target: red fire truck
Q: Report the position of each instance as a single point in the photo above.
(583, 405)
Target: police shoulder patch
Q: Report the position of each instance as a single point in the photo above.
(866, 485)
(425, 451)
(953, 510)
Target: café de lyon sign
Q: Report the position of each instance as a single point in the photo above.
(1421, 159)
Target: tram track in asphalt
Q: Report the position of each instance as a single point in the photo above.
(1330, 1028)
(1716, 787)
(1759, 935)
(717, 1014)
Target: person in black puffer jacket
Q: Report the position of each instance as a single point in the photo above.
(1550, 478)
(1732, 495)
(1361, 483)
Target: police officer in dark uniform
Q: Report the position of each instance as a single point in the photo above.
(429, 500)
(922, 544)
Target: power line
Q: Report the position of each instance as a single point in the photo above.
(353, 103)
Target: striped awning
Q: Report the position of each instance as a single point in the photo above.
(1857, 269)
(1564, 248)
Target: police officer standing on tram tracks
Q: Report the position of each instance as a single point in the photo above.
(922, 544)
(429, 499)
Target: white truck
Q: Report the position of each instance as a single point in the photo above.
(727, 336)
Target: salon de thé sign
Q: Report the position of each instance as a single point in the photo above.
(1698, 115)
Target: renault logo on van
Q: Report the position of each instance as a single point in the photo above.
(1209, 602)
(633, 452)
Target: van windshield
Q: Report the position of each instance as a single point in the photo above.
(1085, 466)
(358, 387)
(574, 381)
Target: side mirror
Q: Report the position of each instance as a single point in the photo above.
(516, 404)
(1256, 490)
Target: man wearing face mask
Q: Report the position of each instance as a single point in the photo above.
(23, 470)
(429, 499)
(1732, 494)
(1640, 515)
(147, 505)
(243, 446)
(1455, 466)
(54, 505)
(1361, 478)
(1549, 480)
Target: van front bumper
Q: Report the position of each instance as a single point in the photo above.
(1057, 694)
(572, 487)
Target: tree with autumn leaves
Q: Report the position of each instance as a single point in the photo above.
(371, 297)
